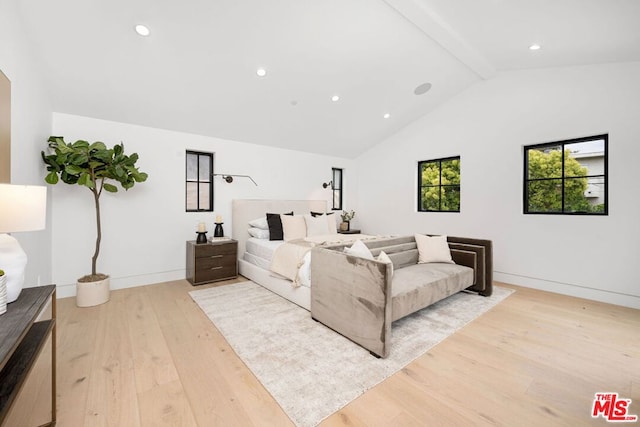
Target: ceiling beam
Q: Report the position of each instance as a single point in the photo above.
(436, 28)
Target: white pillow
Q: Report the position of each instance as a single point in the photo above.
(331, 220)
(317, 225)
(293, 227)
(259, 233)
(260, 223)
(383, 257)
(433, 249)
(359, 249)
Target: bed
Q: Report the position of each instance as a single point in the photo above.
(253, 264)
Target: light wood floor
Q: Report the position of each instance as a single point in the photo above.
(150, 357)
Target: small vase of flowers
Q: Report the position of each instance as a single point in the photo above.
(346, 217)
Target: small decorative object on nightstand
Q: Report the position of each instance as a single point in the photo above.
(212, 261)
(346, 217)
(218, 232)
(202, 233)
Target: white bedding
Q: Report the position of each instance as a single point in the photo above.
(256, 260)
(260, 253)
(262, 248)
(296, 264)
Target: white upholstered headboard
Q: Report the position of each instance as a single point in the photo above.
(244, 210)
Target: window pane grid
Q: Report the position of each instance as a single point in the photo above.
(199, 183)
(567, 177)
(439, 185)
(336, 187)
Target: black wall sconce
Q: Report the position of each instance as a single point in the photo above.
(327, 184)
(229, 177)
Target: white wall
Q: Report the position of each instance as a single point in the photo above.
(145, 229)
(30, 127)
(487, 125)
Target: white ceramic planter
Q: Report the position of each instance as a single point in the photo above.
(89, 294)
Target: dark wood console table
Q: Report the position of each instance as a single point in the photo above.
(28, 359)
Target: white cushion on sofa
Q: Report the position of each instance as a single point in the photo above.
(359, 249)
(383, 257)
(433, 249)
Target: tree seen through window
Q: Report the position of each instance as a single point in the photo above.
(439, 185)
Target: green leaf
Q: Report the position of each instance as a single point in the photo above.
(51, 178)
(85, 179)
(78, 159)
(140, 176)
(104, 156)
(120, 173)
(80, 144)
(110, 188)
(73, 170)
(97, 146)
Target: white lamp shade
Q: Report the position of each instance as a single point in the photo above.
(22, 207)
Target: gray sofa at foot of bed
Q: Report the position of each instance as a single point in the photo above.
(360, 298)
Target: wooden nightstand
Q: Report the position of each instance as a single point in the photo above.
(212, 261)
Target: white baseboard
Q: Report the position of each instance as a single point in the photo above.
(69, 290)
(610, 297)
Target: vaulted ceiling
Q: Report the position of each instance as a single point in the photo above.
(196, 71)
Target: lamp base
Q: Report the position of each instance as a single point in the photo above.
(202, 237)
(13, 261)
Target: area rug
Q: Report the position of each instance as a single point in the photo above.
(310, 370)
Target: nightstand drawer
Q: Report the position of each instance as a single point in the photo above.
(211, 274)
(210, 250)
(213, 261)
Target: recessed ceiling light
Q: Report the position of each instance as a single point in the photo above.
(386, 115)
(534, 47)
(142, 30)
(422, 89)
(335, 98)
(261, 72)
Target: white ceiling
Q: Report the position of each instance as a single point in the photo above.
(196, 72)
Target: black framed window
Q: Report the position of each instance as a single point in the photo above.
(336, 186)
(199, 181)
(439, 185)
(567, 177)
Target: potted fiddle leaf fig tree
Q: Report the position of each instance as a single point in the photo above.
(97, 168)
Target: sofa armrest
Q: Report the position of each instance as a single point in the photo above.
(468, 259)
(483, 270)
(352, 296)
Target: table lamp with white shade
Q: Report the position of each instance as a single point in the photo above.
(22, 208)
